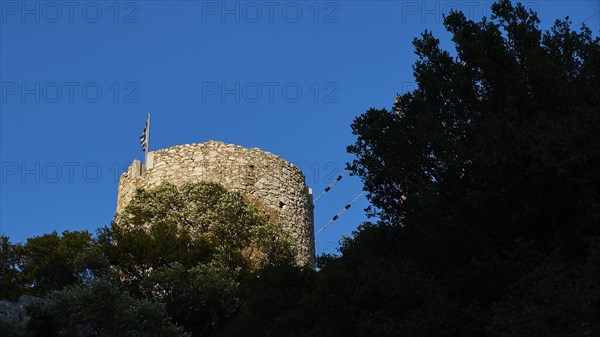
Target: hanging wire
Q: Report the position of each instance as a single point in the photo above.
(328, 188)
(335, 217)
(582, 22)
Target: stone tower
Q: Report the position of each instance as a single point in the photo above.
(259, 175)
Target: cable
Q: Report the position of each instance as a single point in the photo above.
(581, 23)
(328, 188)
(337, 216)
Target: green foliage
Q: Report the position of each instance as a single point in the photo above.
(100, 309)
(486, 181)
(190, 246)
(177, 250)
(187, 224)
(506, 131)
(276, 301)
(554, 299)
(10, 278)
(487, 178)
(8, 329)
(49, 262)
(42, 263)
(201, 298)
(496, 145)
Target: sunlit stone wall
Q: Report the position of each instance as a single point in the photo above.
(260, 175)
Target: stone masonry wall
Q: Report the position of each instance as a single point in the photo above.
(262, 176)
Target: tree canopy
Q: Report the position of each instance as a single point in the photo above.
(485, 182)
(176, 254)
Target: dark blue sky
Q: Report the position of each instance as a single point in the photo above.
(289, 77)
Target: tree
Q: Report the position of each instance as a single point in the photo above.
(190, 246)
(100, 309)
(553, 299)
(486, 182)
(276, 301)
(10, 278)
(9, 329)
(497, 146)
(49, 262)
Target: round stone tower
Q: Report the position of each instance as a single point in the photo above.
(259, 175)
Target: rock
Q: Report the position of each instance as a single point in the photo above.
(17, 312)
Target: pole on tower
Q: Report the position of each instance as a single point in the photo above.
(147, 141)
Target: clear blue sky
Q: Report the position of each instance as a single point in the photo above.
(78, 79)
